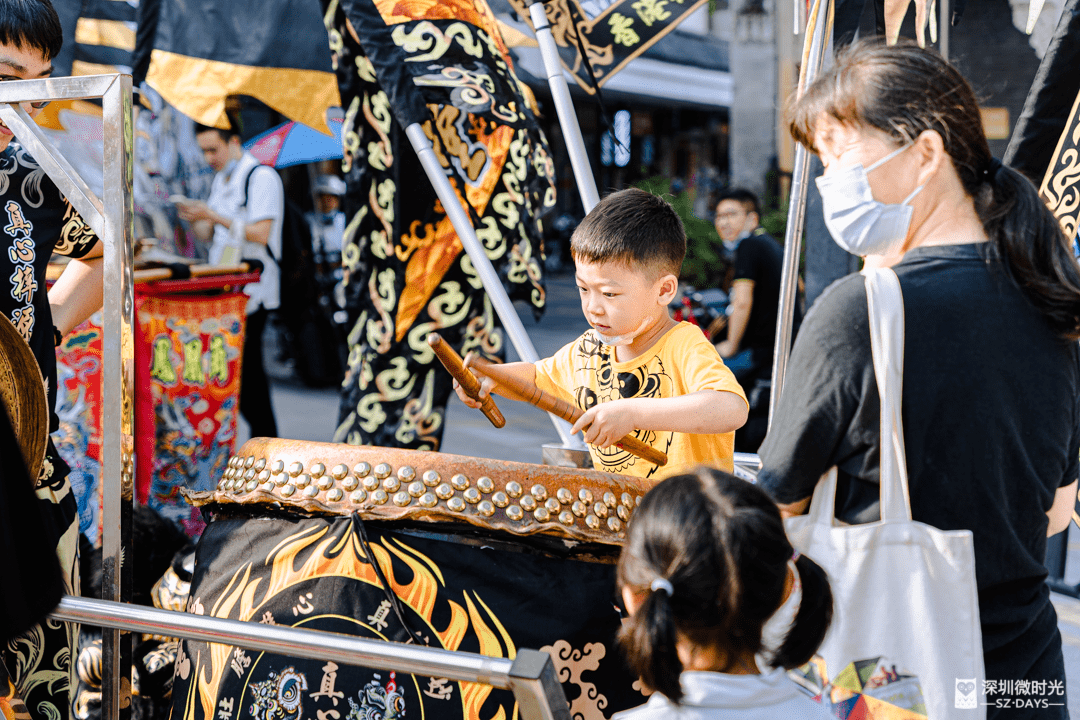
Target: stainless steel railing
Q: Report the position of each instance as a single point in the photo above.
(530, 675)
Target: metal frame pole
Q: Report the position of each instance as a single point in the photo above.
(118, 382)
(822, 28)
(530, 675)
(113, 223)
(564, 108)
(944, 27)
(475, 249)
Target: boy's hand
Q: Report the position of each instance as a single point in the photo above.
(607, 423)
(471, 363)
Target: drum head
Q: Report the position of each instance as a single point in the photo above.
(23, 391)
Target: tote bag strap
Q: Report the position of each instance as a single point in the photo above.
(886, 309)
(885, 304)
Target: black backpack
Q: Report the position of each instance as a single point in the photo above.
(312, 338)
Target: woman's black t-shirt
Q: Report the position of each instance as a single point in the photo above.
(990, 413)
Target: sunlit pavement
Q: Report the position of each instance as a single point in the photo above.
(308, 414)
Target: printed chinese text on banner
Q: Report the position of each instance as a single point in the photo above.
(612, 32)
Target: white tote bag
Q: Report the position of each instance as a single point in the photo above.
(902, 590)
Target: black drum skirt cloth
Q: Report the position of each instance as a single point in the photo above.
(405, 546)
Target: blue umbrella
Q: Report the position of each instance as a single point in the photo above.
(293, 143)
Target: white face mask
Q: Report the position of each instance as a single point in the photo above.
(626, 339)
(859, 223)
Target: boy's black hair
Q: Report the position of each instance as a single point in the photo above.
(31, 25)
(747, 199)
(719, 541)
(634, 227)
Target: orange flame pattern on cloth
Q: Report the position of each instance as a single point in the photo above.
(323, 552)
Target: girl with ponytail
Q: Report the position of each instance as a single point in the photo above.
(719, 605)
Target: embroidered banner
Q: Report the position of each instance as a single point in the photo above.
(612, 32)
(316, 573)
(445, 66)
(1061, 186)
(187, 381)
(188, 360)
(78, 405)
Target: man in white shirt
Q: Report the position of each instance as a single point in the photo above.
(243, 218)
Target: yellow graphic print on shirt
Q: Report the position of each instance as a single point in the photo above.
(681, 362)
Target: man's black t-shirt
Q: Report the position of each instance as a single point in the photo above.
(760, 258)
(36, 222)
(991, 426)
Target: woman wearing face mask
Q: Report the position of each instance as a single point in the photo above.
(991, 365)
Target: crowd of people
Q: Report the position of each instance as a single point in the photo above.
(719, 603)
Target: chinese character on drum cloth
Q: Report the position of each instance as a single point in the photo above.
(240, 662)
(439, 689)
(378, 619)
(326, 687)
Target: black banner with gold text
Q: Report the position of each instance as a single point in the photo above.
(612, 32)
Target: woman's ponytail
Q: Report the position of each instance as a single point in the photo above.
(649, 640)
(1028, 241)
(811, 621)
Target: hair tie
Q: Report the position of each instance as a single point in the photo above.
(662, 584)
(991, 168)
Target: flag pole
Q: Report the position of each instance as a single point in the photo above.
(492, 283)
(819, 27)
(564, 108)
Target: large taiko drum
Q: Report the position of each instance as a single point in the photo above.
(469, 554)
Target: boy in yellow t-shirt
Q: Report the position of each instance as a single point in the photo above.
(637, 370)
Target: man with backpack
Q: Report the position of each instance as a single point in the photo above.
(243, 218)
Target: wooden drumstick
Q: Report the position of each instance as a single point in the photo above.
(452, 362)
(570, 413)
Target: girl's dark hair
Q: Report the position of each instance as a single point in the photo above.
(903, 90)
(31, 25)
(720, 542)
